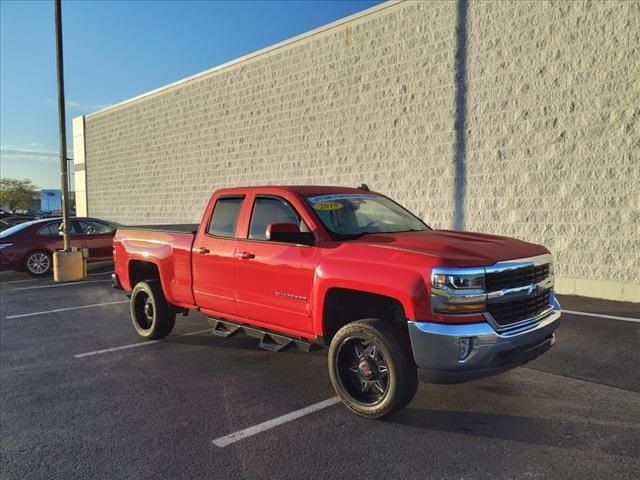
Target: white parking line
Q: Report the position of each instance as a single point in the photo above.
(55, 285)
(601, 315)
(23, 281)
(261, 427)
(133, 345)
(115, 349)
(47, 279)
(79, 307)
(101, 273)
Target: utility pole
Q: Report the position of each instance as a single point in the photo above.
(68, 265)
(64, 166)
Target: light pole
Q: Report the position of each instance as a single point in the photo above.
(64, 174)
(67, 264)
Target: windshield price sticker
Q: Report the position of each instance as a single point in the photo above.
(340, 196)
(327, 206)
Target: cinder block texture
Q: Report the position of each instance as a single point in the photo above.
(516, 118)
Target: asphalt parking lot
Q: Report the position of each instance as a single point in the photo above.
(82, 398)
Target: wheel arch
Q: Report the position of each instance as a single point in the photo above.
(141, 271)
(342, 306)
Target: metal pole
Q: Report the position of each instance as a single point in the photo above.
(70, 162)
(62, 128)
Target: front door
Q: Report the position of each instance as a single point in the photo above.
(214, 260)
(274, 280)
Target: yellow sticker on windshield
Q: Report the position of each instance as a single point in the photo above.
(328, 206)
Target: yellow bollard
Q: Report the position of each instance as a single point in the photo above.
(69, 266)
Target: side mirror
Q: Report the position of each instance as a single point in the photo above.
(289, 233)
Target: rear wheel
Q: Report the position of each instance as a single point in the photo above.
(38, 263)
(370, 370)
(151, 314)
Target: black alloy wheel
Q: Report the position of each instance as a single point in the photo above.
(363, 370)
(151, 314)
(371, 367)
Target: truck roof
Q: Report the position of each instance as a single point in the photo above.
(297, 189)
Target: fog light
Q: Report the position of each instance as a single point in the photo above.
(465, 345)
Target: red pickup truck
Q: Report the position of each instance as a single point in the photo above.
(394, 300)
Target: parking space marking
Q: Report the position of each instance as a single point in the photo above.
(47, 279)
(25, 281)
(133, 345)
(55, 285)
(601, 315)
(268, 425)
(116, 349)
(79, 307)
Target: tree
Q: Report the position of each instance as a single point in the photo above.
(17, 194)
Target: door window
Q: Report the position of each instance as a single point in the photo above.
(55, 229)
(225, 217)
(90, 227)
(267, 210)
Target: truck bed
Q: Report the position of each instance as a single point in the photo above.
(168, 246)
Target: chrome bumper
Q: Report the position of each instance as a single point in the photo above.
(440, 359)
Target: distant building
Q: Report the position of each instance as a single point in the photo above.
(50, 200)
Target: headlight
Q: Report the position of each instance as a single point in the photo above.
(458, 290)
(5, 245)
(458, 281)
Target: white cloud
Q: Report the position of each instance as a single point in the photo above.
(80, 106)
(28, 152)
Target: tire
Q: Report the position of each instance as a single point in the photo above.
(151, 314)
(359, 355)
(38, 263)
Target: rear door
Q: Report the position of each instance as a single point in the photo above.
(97, 237)
(213, 257)
(274, 280)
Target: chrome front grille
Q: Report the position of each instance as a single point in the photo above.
(518, 277)
(507, 313)
(519, 291)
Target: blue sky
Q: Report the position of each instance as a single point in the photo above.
(115, 50)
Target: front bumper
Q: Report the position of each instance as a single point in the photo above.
(10, 260)
(436, 348)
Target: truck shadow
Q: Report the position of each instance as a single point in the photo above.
(603, 435)
(238, 342)
(208, 340)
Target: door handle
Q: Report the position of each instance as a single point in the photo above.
(245, 255)
(203, 250)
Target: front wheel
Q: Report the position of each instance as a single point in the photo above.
(38, 263)
(151, 314)
(370, 370)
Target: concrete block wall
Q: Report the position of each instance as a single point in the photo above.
(516, 118)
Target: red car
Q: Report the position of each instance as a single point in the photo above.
(29, 246)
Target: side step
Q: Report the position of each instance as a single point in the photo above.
(223, 329)
(274, 342)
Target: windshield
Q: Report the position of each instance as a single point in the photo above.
(351, 215)
(14, 229)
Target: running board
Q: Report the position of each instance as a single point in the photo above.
(223, 329)
(273, 342)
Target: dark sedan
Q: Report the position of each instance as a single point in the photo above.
(29, 246)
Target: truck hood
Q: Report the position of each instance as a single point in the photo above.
(460, 249)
